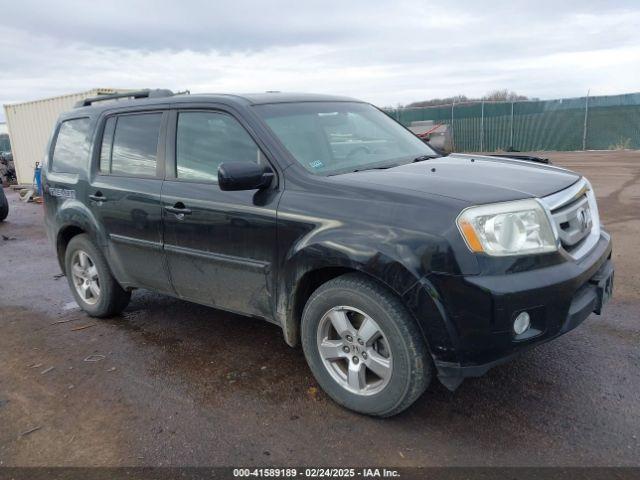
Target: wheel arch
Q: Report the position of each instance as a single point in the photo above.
(74, 219)
(63, 238)
(308, 271)
(300, 292)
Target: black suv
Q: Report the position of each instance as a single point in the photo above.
(386, 261)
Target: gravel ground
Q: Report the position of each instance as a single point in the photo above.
(180, 384)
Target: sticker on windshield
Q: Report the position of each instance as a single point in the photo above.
(316, 164)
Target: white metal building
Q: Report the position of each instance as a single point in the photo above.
(31, 123)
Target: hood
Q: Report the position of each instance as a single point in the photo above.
(471, 178)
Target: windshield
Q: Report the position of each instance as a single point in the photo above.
(328, 138)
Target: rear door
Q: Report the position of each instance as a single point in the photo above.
(125, 196)
(220, 246)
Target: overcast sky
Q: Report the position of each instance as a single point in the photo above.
(385, 52)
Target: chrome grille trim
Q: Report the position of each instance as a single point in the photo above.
(565, 207)
(566, 196)
(574, 221)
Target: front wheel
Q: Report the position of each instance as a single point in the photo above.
(363, 347)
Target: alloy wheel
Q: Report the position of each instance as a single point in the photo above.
(354, 350)
(85, 277)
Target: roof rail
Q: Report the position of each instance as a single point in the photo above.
(146, 93)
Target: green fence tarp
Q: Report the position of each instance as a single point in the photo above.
(612, 122)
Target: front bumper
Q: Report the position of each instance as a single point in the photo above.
(481, 310)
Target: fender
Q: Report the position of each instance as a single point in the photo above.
(398, 268)
(73, 213)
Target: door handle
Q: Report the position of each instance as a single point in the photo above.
(178, 209)
(98, 197)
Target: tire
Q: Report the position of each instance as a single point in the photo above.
(110, 298)
(4, 205)
(400, 353)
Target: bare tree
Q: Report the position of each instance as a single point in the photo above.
(504, 95)
(501, 95)
(441, 101)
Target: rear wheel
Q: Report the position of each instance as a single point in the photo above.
(363, 346)
(91, 281)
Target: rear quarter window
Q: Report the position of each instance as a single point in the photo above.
(71, 151)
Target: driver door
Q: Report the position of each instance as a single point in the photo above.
(220, 245)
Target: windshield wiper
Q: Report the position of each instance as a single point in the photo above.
(425, 157)
(383, 167)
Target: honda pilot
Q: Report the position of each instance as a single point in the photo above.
(389, 263)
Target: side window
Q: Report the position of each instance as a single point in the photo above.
(71, 151)
(204, 140)
(107, 145)
(135, 145)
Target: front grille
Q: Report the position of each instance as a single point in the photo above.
(574, 222)
(575, 215)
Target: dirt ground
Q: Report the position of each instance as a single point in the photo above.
(180, 384)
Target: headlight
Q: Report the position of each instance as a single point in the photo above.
(510, 228)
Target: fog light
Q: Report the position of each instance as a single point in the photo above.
(522, 323)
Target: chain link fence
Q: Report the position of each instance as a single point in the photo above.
(585, 123)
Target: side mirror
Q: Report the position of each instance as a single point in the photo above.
(243, 176)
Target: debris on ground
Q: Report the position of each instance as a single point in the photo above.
(30, 431)
(35, 365)
(7, 239)
(26, 195)
(83, 327)
(46, 370)
(313, 392)
(62, 321)
(94, 358)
